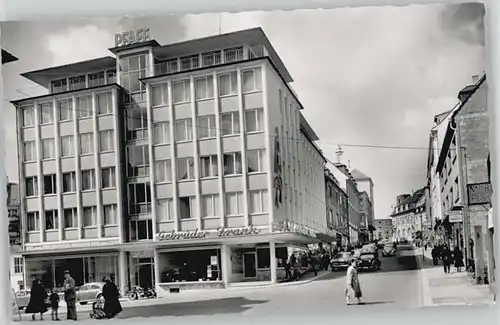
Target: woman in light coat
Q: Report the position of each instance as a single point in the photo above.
(353, 287)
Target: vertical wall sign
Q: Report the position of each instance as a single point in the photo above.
(278, 181)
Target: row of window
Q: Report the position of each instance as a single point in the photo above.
(64, 109)
(94, 79)
(67, 146)
(209, 167)
(204, 87)
(88, 182)
(70, 218)
(206, 126)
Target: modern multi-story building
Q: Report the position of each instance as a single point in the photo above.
(383, 229)
(169, 165)
(337, 209)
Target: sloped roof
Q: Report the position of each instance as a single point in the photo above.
(359, 175)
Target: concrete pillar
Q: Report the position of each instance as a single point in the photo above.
(225, 257)
(490, 251)
(478, 251)
(123, 272)
(273, 266)
(156, 261)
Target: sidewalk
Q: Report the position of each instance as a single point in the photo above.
(455, 288)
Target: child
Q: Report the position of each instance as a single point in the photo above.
(98, 309)
(54, 303)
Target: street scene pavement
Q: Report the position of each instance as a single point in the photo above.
(396, 286)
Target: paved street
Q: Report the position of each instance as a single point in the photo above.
(396, 286)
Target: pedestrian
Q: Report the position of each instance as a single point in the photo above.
(446, 257)
(353, 287)
(434, 253)
(112, 306)
(70, 295)
(288, 273)
(38, 297)
(315, 264)
(54, 304)
(458, 259)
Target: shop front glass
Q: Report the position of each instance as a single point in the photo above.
(254, 263)
(190, 265)
(82, 269)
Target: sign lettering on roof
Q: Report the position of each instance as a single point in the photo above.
(132, 37)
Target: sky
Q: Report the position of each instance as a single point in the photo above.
(367, 77)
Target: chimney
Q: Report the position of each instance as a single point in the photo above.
(339, 152)
(475, 79)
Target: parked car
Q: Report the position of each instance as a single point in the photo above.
(369, 247)
(369, 260)
(23, 299)
(89, 292)
(389, 250)
(341, 261)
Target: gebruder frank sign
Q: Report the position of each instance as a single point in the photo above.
(132, 37)
(200, 234)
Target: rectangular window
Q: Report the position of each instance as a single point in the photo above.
(104, 103)
(33, 220)
(106, 141)
(69, 182)
(254, 120)
(86, 143)
(59, 86)
(108, 177)
(181, 91)
(28, 116)
(232, 163)
(88, 179)
(70, 218)
(209, 166)
(111, 77)
(51, 220)
(211, 58)
(109, 214)
(228, 84)
(234, 203)
(77, 82)
(18, 265)
(65, 108)
(252, 80)
(190, 62)
(139, 198)
(210, 206)
(141, 230)
(96, 79)
(48, 150)
(46, 113)
(187, 207)
(184, 130)
(159, 95)
(230, 123)
(161, 133)
(29, 150)
(164, 210)
(185, 168)
(256, 161)
(31, 186)
(206, 127)
(89, 216)
(163, 171)
(84, 106)
(49, 184)
(258, 202)
(204, 87)
(137, 161)
(67, 146)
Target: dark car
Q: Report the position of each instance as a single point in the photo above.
(342, 261)
(369, 260)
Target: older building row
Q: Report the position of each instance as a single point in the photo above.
(188, 164)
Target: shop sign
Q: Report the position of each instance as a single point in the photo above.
(287, 226)
(201, 234)
(479, 193)
(132, 37)
(455, 216)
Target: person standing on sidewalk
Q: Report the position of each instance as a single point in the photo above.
(447, 259)
(458, 259)
(70, 296)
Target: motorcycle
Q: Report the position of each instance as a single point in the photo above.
(141, 293)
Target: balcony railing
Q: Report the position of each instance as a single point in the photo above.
(209, 59)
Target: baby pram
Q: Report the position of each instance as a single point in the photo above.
(98, 309)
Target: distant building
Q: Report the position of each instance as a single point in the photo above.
(16, 260)
(406, 216)
(383, 229)
(365, 184)
(366, 227)
(337, 209)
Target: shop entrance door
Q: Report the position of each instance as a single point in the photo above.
(249, 267)
(144, 272)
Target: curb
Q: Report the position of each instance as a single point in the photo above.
(277, 285)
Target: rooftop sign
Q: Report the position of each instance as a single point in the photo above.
(132, 37)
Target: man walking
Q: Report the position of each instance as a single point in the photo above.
(70, 295)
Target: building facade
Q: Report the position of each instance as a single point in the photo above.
(365, 184)
(366, 217)
(406, 216)
(337, 209)
(184, 164)
(383, 229)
